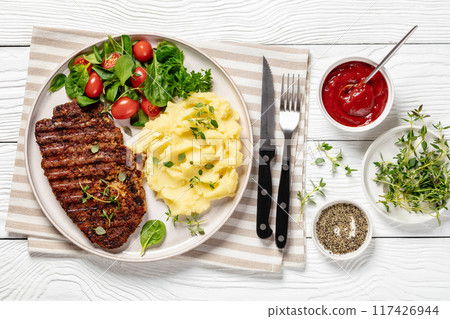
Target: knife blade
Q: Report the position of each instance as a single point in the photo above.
(266, 153)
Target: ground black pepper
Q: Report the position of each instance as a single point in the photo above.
(342, 228)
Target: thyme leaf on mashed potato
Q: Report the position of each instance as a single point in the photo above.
(202, 120)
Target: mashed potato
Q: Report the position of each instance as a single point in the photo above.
(193, 150)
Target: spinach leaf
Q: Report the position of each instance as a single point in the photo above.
(114, 45)
(139, 119)
(111, 92)
(83, 100)
(124, 68)
(152, 233)
(91, 58)
(97, 55)
(156, 87)
(58, 82)
(132, 94)
(104, 75)
(77, 80)
(126, 44)
(166, 50)
(106, 49)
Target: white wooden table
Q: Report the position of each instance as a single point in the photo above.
(401, 263)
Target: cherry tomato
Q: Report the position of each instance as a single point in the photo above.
(137, 80)
(111, 61)
(81, 60)
(94, 86)
(143, 51)
(124, 108)
(150, 109)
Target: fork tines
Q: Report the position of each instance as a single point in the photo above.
(290, 99)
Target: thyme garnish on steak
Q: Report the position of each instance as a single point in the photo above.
(113, 199)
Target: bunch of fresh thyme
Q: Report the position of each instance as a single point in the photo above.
(418, 179)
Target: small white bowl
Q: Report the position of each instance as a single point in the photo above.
(389, 102)
(352, 254)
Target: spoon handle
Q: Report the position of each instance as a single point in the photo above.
(390, 54)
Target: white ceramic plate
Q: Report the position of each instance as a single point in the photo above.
(384, 144)
(178, 239)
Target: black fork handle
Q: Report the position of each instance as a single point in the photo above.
(284, 191)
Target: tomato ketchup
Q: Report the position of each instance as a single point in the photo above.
(350, 102)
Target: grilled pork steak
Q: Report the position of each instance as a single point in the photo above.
(97, 189)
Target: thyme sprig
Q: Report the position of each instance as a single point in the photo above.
(336, 161)
(193, 224)
(418, 178)
(308, 197)
(108, 217)
(113, 199)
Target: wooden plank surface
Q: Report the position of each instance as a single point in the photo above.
(390, 269)
(258, 21)
(401, 263)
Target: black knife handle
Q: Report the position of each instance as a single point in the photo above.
(264, 193)
(284, 191)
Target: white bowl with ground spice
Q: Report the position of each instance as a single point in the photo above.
(342, 229)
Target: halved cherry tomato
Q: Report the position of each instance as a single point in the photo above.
(111, 61)
(143, 51)
(137, 80)
(94, 86)
(150, 109)
(81, 60)
(124, 108)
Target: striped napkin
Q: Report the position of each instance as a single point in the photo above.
(235, 244)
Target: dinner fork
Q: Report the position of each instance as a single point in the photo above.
(290, 103)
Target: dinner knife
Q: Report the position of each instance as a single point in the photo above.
(266, 153)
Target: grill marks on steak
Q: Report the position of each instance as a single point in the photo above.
(65, 142)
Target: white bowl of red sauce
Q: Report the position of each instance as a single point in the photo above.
(348, 103)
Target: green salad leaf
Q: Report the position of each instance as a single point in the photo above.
(112, 90)
(152, 233)
(83, 100)
(156, 87)
(77, 80)
(104, 75)
(97, 55)
(91, 58)
(167, 77)
(57, 83)
(139, 119)
(165, 50)
(124, 68)
(126, 44)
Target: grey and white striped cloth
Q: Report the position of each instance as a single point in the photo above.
(236, 243)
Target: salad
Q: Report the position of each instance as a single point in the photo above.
(132, 80)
